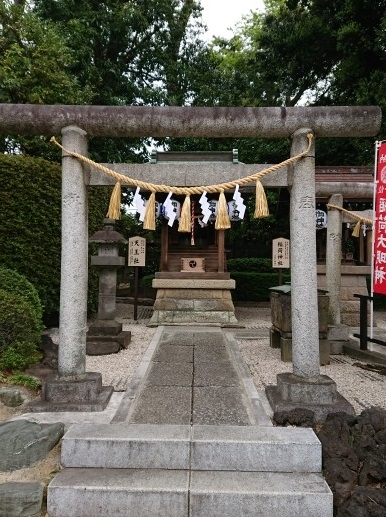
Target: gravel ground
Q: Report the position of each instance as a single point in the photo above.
(361, 387)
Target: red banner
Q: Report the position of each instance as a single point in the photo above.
(379, 271)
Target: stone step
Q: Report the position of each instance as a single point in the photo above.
(175, 493)
(201, 447)
(263, 494)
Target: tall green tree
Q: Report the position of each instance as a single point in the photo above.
(130, 53)
(35, 67)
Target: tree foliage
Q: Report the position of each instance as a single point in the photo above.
(132, 51)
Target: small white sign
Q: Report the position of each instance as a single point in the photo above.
(280, 253)
(320, 219)
(137, 251)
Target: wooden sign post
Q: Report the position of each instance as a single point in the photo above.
(280, 256)
(137, 258)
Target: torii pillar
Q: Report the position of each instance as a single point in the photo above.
(305, 388)
(72, 388)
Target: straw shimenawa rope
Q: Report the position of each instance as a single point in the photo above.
(361, 220)
(222, 220)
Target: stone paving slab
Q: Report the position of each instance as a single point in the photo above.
(219, 406)
(206, 354)
(162, 405)
(178, 338)
(209, 338)
(170, 374)
(173, 354)
(219, 373)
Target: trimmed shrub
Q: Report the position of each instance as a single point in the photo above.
(19, 333)
(247, 265)
(254, 286)
(12, 282)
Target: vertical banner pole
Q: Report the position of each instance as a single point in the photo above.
(377, 144)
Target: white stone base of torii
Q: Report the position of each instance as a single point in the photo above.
(73, 387)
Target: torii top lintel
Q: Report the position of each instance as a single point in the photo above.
(150, 121)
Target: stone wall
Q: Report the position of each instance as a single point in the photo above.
(353, 281)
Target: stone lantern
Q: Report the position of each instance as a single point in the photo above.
(105, 335)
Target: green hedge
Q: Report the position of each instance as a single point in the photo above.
(30, 229)
(253, 286)
(12, 282)
(246, 265)
(19, 333)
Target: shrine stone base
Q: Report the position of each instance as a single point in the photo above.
(318, 394)
(82, 392)
(192, 301)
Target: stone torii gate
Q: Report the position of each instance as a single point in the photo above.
(73, 387)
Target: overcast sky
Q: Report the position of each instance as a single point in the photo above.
(219, 15)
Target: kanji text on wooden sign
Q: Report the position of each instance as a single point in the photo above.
(280, 253)
(137, 251)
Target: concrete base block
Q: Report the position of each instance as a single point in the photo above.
(283, 340)
(319, 394)
(106, 337)
(104, 328)
(319, 390)
(79, 393)
(274, 339)
(338, 335)
(336, 347)
(104, 345)
(338, 332)
(286, 350)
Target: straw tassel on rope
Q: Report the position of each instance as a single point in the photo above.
(357, 228)
(261, 204)
(114, 211)
(222, 220)
(149, 219)
(185, 219)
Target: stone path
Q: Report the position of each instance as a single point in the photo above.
(192, 379)
(191, 438)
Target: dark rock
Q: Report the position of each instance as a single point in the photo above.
(375, 417)
(380, 437)
(20, 499)
(24, 443)
(298, 416)
(340, 461)
(11, 397)
(341, 479)
(373, 470)
(365, 502)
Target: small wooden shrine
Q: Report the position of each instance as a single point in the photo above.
(193, 286)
